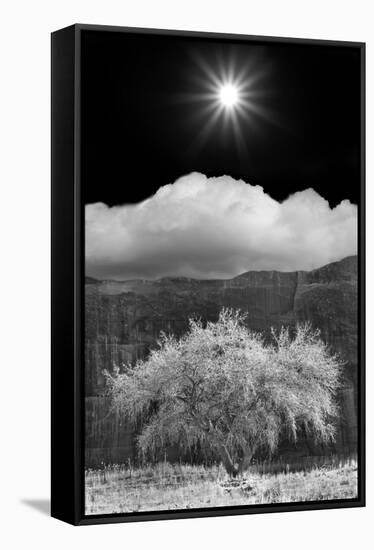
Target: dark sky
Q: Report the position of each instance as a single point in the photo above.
(139, 132)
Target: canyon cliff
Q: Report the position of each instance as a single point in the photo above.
(123, 321)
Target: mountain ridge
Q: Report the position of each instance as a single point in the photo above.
(92, 280)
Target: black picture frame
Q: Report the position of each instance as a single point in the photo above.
(67, 419)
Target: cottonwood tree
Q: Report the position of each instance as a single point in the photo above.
(222, 386)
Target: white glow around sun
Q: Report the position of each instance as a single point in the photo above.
(228, 95)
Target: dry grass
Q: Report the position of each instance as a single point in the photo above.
(121, 489)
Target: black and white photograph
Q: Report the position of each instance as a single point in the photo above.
(186, 239)
(221, 187)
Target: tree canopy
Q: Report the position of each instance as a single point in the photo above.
(224, 386)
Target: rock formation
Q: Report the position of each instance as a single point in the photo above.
(123, 321)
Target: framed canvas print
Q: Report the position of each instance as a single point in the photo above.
(207, 274)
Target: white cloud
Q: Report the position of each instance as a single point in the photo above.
(216, 228)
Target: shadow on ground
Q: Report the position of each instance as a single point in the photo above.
(40, 505)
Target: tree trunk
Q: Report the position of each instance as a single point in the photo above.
(227, 461)
(246, 460)
(231, 468)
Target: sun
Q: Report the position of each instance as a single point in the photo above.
(225, 91)
(228, 95)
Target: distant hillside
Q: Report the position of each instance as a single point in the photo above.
(91, 281)
(124, 320)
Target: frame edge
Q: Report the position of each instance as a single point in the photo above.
(63, 276)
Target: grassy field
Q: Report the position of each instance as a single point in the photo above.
(121, 488)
